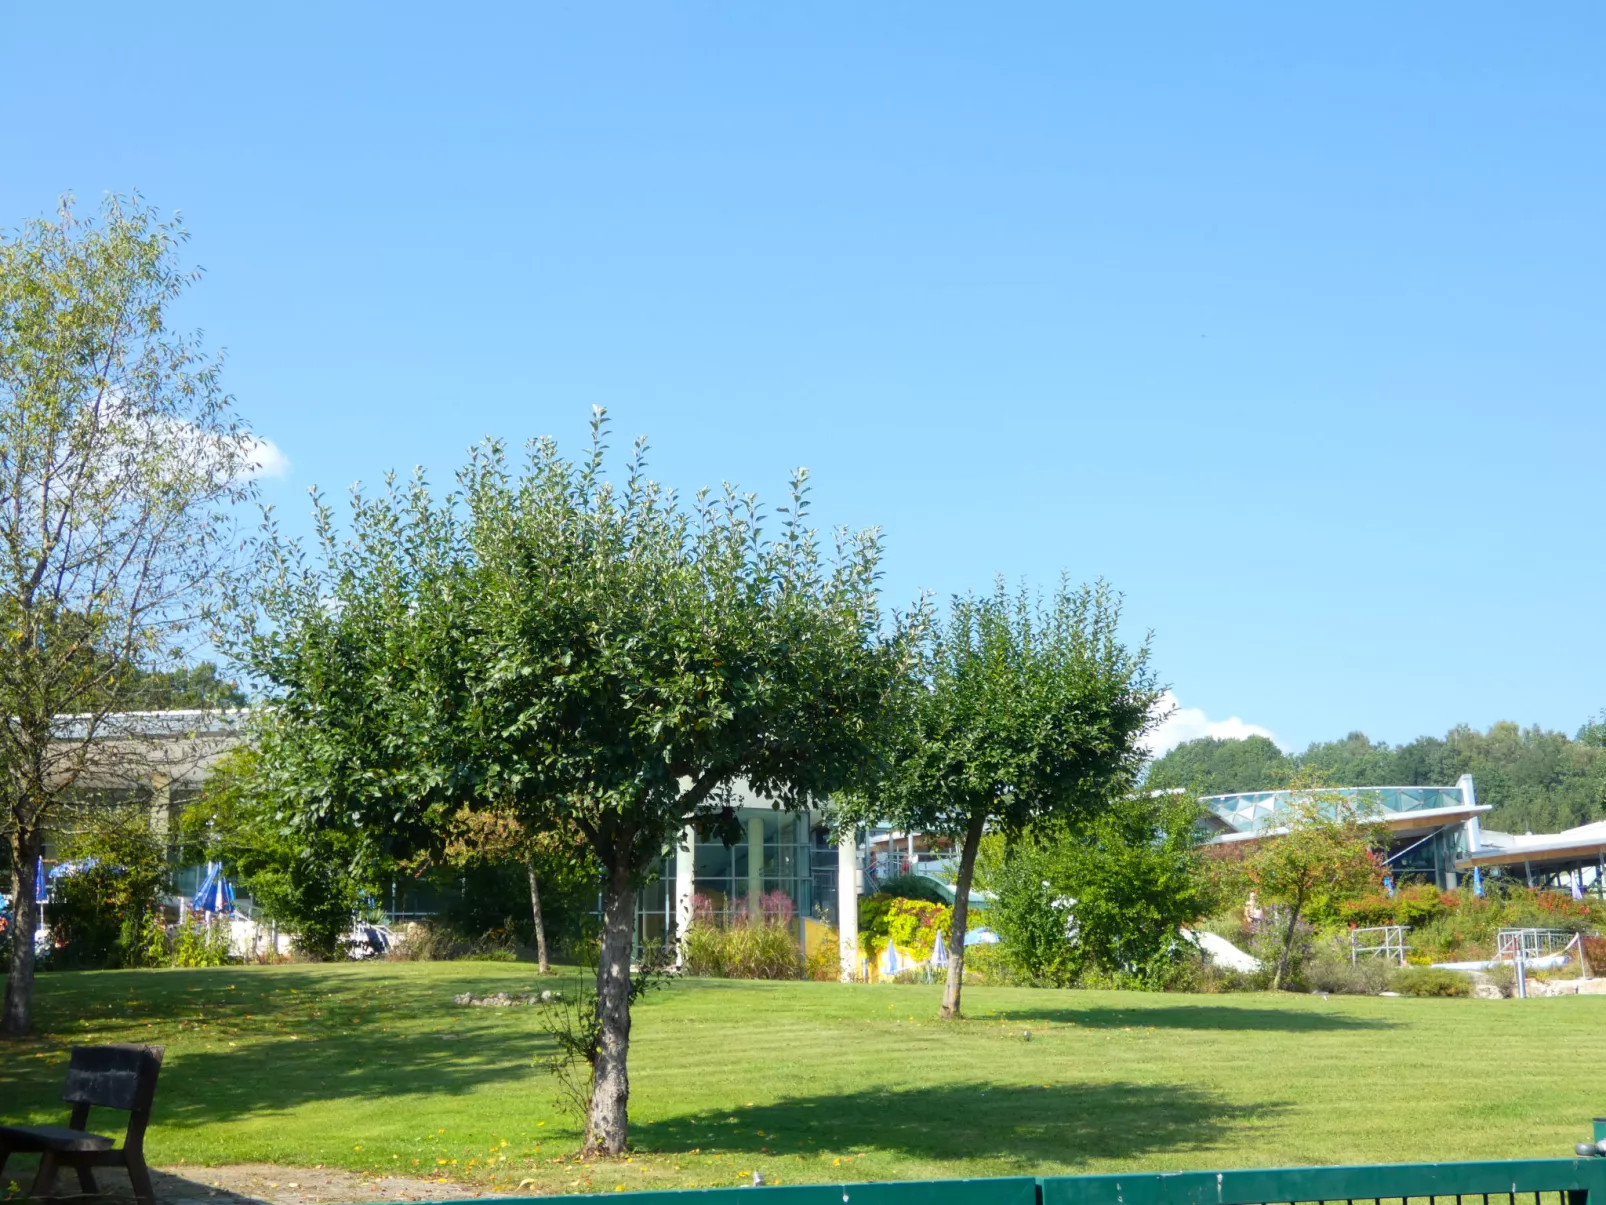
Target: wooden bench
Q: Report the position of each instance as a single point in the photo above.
(107, 1077)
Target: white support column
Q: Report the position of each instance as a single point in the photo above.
(685, 860)
(755, 865)
(847, 901)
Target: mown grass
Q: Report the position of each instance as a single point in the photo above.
(370, 1067)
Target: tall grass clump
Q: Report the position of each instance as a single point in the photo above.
(750, 944)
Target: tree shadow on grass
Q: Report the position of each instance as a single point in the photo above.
(1023, 1124)
(242, 1043)
(1192, 1016)
(202, 1086)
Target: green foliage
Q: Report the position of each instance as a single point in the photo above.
(100, 915)
(1430, 981)
(188, 687)
(1033, 918)
(312, 881)
(1535, 779)
(1026, 710)
(496, 895)
(587, 655)
(1329, 969)
(199, 944)
(1108, 895)
(1327, 855)
(912, 887)
(1213, 766)
(119, 460)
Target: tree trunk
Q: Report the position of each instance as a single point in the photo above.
(608, 1127)
(956, 934)
(1288, 943)
(25, 849)
(535, 910)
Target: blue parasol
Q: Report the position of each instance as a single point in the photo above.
(65, 870)
(216, 893)
(1477, 882)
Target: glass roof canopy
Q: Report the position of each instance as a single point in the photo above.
(1251, 811)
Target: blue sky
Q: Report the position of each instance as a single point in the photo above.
(1287, 319)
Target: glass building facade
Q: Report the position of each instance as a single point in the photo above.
(1429, 826)
(1251, 811)
(791, 853)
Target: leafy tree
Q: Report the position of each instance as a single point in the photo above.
(311, 881)
(118, 461)
(1327, 853)
(487, 837)
(101, 913)
(1027, 711)
(1534, 779)
(186, 688)
(585, 657)
(1111, 892)
(1214, 766)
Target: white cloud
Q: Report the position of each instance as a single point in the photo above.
(1191, 723)
(267, 460)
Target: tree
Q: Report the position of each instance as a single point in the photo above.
(488, 836)
(1025, 712)
(187, 688)
(1213, 766)
(1121, 884)
(1328, 851)
(310, 881)
(118, 461)
(584, 656)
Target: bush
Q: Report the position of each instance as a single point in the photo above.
(749, 947)
(199, 944)
(1430, 981)
(98, 915)
(988, 964)
(1504, 978)
(825, 964)
(1329, 969)
(1267, 945)
(913, 887)
(428, 941)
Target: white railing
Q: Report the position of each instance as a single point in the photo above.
(1383, 941)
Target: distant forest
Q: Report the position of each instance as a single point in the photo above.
(1536, 780)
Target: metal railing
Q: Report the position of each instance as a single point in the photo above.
(1512, 1182)
(1532, 943)
(1502, 1182)
(1386, 941)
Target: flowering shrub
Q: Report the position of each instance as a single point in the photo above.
(914, 925)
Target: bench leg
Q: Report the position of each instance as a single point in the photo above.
(5, 1154)
(140, 1177)
(44, 1184)
(86, 1178)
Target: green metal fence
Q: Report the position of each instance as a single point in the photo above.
(1509, 1182)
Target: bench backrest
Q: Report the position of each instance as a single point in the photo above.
(113, 1077)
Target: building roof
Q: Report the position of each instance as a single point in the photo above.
(1584, 844)
(1248, 815)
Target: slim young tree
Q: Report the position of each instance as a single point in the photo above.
(119, 460)
(1324, 848)
(586, 656)
(1027, 711)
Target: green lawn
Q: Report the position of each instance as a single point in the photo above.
(372, 1068)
